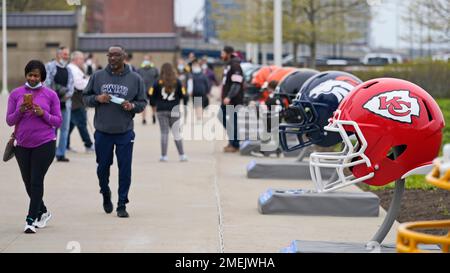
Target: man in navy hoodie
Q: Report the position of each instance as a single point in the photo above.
(117, 95)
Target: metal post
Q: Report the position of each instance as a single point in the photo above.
(264, 54)
(248, 51)
(5, 54)
(278, 32)
(394, 210)
(392, 213)
(255, 57)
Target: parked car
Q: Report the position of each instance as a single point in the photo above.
(442, 57)
(381, 59)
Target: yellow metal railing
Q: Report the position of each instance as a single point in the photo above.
(435, 179)
(409, 240)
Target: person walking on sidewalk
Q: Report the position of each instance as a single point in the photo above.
(34, 110)
(78, 117)
(232, 95)
(208, 70)
(166, 95)
(200, 89)
(149, 73)
(117, 95)
(60, 79)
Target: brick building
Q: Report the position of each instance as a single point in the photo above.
(131, 16)
(142, 27)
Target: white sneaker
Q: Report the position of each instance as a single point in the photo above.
(164, 159)
(42, 223)
(71, 150)
(183, 158)
(29, 229)
(90, 149)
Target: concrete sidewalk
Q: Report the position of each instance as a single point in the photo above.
(204, 205)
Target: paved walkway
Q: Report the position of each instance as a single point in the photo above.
(204, 205)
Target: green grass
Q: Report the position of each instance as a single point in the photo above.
(415, 182)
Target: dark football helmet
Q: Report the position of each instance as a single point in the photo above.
(288, 88)
(314, 104)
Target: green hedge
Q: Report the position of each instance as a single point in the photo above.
(434, 77)
(444, 104)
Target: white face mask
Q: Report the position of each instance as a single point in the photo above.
(196, 69)
(62, 63)
(39, 85)
(204, 66)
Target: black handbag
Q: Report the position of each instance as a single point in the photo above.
(10, 148)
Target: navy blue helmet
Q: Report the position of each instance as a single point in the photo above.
(314, 104)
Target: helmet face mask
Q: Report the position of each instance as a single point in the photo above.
(352, 155)
(302, 122)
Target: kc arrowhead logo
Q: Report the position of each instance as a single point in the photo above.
(395, 105)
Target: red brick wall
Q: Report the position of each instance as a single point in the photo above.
(132, 16)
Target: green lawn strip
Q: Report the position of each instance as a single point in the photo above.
(415, 182)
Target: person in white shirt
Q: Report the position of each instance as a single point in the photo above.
(79, 115)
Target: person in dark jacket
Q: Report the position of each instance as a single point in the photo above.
(208, 70)
(200, 89)
(149, 74)
(233, 95)
(166, 95)
(118, 95)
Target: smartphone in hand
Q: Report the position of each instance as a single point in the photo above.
(28, 99)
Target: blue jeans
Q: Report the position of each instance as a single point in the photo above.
(104, 150)
(64, 131)
(79, 119)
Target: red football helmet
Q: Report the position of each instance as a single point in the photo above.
(398, 129)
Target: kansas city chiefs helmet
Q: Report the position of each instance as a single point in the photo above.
(398, 129)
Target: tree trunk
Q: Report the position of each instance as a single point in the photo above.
(312, 49)
(295, 53)
(313, 42)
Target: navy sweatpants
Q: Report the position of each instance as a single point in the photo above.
(104, 150)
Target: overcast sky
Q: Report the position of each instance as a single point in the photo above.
(387, 24)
